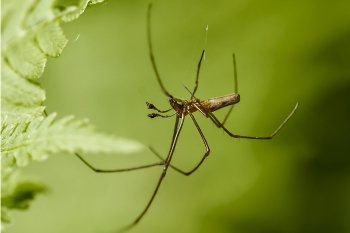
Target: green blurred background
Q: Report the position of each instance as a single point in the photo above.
(287, 52)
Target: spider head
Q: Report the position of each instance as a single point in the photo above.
(175, 105)
(172, 101)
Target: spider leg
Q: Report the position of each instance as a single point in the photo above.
(114, 170)
(160, 157)
(217, 123)
(227, 115)
(117, 170)
(150, 47)
(157, 154)
(165, 169)
(205, 155)
(151, 51)
(207, 149)
(236, 88)
(197, 76)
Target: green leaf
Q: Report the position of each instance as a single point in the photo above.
(16, 193)
(27, 33)
(36, 137)
(18, 196)
(30, 32)
(19, 91)
(75, 7)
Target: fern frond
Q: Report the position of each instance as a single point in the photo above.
(30, 32)
(19, 91)
(27, 138)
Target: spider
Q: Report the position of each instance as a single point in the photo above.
(183, 108)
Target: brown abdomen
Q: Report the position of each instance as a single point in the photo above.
(214, 104)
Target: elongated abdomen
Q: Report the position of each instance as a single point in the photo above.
(216, 103)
